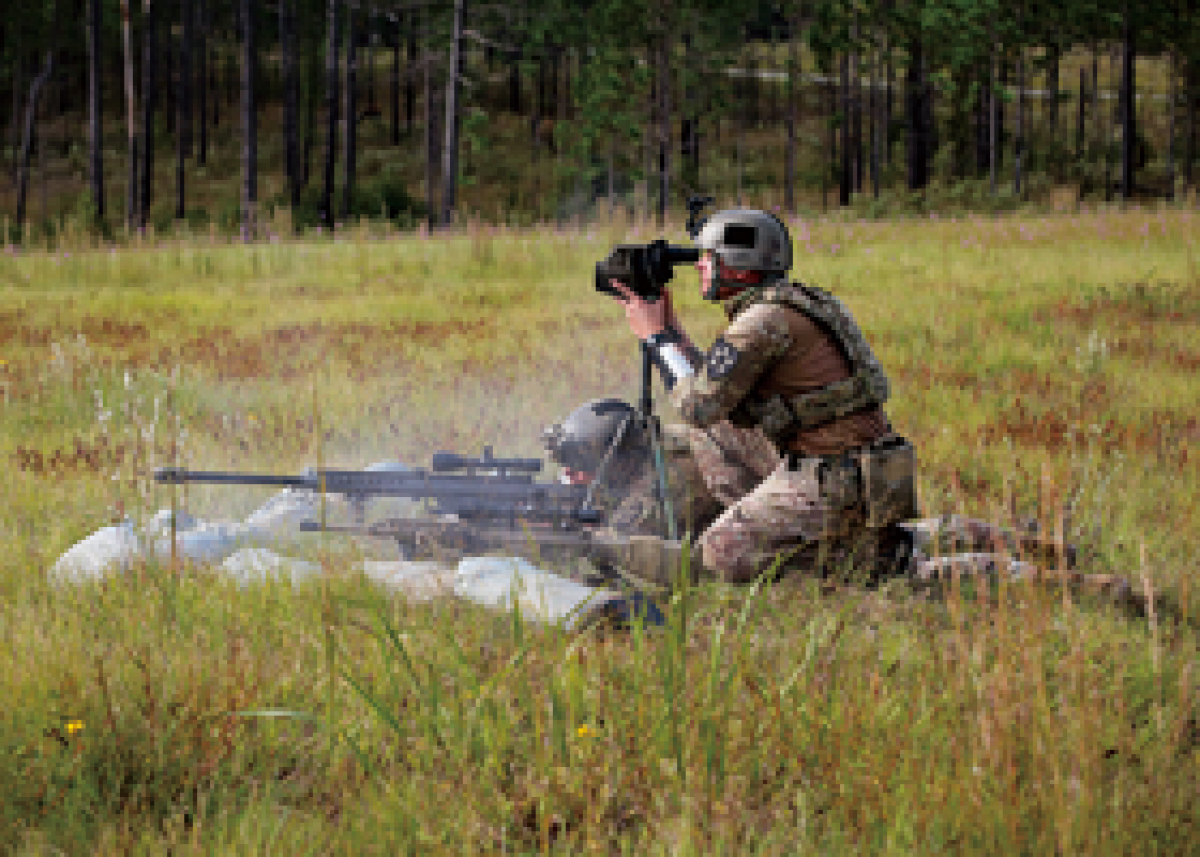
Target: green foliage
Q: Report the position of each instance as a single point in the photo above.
(383, 198)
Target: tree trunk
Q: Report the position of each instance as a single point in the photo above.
(431, 143)
(1081, 113)
(394, 82)
(1002, 81)
(130, 116)
(689, 126)
(829, 94)
(1191, 95)
(180, 123)
(35, 90)
(876, 131)
(982, 111)
(186, 73)
(568, 107)
(214, 84)
(450, 149)
(514, 82)
(1129, 117)
(1172, 96)
(331, 112)
(553, 63)
(170, 51)
(202, 80)
(372, 42)
(410, 80)
(1053, 86)
(312, 79)
(291, 96)
(793, 74)
(918, 173)
(249, 124)
(994, 121)
(888, 107)
(664, 130)
(651, 137)
(539, 105)
(1097, 116)
(856, 114)
(351, 112)
(14, 134)
(95, 130)
(1106, 126)
(1019, 132)
(149, 58)
(845, 183)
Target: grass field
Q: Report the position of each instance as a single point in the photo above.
(1045, 366)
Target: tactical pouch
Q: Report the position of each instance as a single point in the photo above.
(889, 482)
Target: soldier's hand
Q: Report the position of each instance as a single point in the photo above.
(645, 318)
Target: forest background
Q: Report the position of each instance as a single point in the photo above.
(202, 113)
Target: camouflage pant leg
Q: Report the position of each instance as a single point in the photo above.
(786, 520)
(729, 462)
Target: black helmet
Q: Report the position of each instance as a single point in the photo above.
(580, 441)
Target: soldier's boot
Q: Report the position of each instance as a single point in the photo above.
(1109, 587)
(955, 534)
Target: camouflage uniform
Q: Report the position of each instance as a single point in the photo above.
(783, 366)
(707, 470)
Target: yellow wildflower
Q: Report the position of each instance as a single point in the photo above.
(585, 731)
(74, 726)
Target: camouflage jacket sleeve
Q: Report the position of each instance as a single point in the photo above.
(752, 343)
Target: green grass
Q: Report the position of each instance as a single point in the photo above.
(1039, 364)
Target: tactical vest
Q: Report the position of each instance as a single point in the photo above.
(867, 386)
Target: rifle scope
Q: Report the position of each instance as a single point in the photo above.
(445, 462)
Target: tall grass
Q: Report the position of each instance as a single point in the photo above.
(1041, 365)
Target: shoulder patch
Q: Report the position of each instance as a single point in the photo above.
(722, 357)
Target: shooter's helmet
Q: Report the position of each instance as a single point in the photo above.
(581, 439)
(745, 239)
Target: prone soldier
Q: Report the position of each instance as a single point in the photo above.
(735, 460)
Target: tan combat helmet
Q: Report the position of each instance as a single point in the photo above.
(748, 239)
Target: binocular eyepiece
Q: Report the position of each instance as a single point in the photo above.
(644, 268)
(647, 268)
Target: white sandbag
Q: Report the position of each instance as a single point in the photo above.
(418, 580)
(250, 565)
(543, 596)
(159, 524)
(106, 550)
(212, 541)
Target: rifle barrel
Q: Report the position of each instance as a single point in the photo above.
(180, 476)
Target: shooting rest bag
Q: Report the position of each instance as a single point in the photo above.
(867, 386)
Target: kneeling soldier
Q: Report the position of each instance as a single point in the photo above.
(793, 364)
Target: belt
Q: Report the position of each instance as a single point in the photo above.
(846, 456)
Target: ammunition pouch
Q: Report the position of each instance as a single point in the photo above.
(888, 470)
(781, 418)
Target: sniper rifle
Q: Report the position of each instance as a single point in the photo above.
(473, 505)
